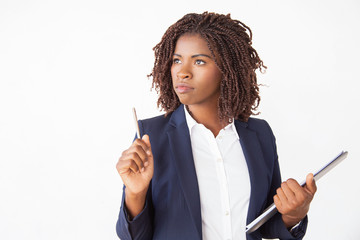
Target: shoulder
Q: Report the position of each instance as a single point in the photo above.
(262, 129)
(155, 120)
(156, 128)
(162, 123)
(258, 125)
(155, 124)
(265, 138)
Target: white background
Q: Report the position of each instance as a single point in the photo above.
(71, 70)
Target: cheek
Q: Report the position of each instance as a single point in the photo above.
(173, 74)
(214, 77)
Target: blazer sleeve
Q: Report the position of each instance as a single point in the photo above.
(275, 227)
(141, 227)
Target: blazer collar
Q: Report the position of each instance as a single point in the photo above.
(180, 145)
(258, 171)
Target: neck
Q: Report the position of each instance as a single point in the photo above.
(208, 116)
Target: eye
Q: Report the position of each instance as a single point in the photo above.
(199, 62)
(176, 61)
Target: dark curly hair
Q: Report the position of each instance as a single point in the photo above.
(228, 42)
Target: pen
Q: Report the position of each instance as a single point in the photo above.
(136, 123)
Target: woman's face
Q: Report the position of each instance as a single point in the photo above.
(195, 76)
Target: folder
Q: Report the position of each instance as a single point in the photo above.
(271, 210)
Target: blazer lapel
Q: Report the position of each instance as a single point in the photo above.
(257, 169)
(180, 146)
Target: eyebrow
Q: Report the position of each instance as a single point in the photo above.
(194, 56)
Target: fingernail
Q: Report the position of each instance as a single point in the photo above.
(146, 164)
(143, 169)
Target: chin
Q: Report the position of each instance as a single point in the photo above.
(185, 101)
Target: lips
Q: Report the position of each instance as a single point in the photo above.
(183, 88)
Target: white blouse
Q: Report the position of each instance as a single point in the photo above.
(223, 179)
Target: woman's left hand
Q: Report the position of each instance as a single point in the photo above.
(293, 201)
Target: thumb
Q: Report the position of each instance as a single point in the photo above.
(146, 139)
(310, 183)
(150, 161)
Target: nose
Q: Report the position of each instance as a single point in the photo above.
(184, 73)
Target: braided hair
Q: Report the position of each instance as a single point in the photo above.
(230, 46)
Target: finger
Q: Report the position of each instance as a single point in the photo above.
(133, 155)
(290, 195)
(137, 153)
(295, 187)
(310, 183)
(281, 195)
(139, 150)
(124, 166)
(139, 161)
(278, 202)
(140, 143)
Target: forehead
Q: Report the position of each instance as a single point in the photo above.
(191, 44)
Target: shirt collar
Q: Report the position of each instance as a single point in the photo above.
(190, 121)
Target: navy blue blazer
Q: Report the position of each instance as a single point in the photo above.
(172, 209)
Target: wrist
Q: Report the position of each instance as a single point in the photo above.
(135, 195)
(290, 222)
(134, 203)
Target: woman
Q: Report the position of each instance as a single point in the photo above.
(210, 168)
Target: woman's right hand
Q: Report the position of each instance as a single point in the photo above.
(136, 167)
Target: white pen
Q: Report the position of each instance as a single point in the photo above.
(136, 123)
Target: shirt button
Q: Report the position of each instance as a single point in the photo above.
(219, 160)
(227, 213)
(220, 137)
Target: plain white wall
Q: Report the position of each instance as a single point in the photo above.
(71, 70)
